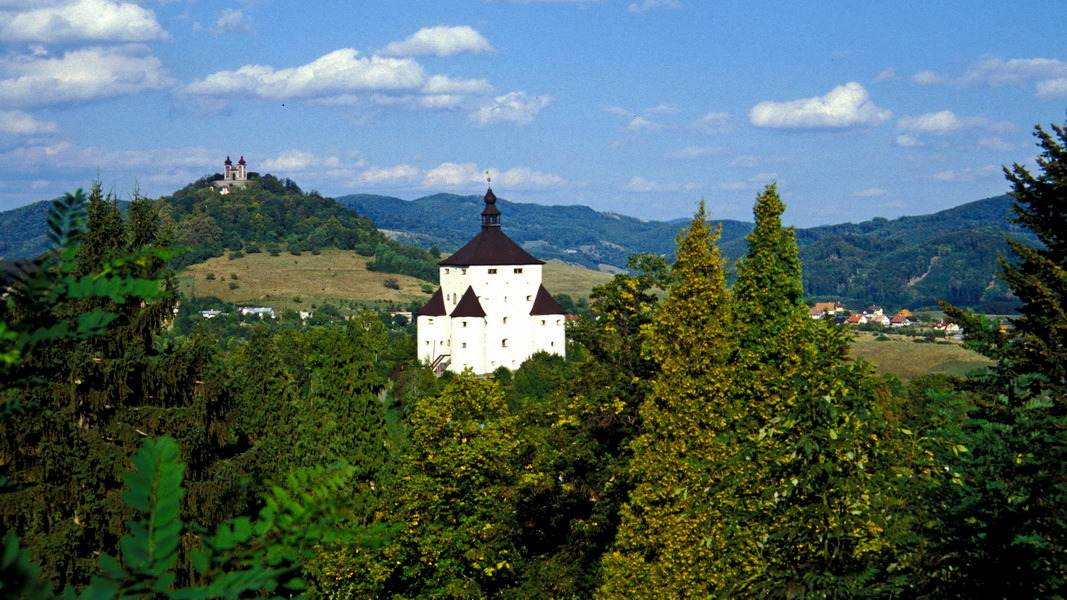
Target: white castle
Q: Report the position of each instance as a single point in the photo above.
(491, 310)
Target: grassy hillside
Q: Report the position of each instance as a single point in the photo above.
(277, 280)
(335, 275)
(903, 357)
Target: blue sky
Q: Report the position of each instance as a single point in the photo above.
(641, 107)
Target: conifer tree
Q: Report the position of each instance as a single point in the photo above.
(1003, 529)
(668, 538)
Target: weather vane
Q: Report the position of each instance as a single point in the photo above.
(488, 179)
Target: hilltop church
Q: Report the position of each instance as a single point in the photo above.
(233, 177)
(491, 310)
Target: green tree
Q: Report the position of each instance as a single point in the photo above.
(1002, 530)
(666, 540)
(456, 496)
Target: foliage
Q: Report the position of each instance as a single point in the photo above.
(667, 540)
(1009, 506)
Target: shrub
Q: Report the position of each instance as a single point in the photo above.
(233, 275)
(392, 283)
(236, 255)
(234, 285)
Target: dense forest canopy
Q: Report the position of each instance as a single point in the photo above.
(701, 439)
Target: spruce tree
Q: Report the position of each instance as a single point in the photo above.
(669, 538)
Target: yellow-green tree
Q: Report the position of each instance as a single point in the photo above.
(668, 540)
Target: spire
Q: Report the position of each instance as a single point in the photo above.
(491, 214)
(242, 161)
(228, 161)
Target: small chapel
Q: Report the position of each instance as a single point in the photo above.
(233, 176)
(491, 310)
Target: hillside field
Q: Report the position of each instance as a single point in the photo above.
(903, 357)
(334, 275)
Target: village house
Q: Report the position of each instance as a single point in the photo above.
(491, 310)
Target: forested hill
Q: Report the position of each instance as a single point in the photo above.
(908, 261)
(575, 234)
(269, 215)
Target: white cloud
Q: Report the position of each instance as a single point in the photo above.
(1052, 88)
(642, 185)
(232, 21)
(67, 155)
(335, 73)
(81, 21)
(907, 141)
(291, 160)
(388, 175)
(757, 181)
(439, 41)
(713, 122)
(513, 107)
(641, 7)
(845, 106)
(462, 175)
(996, 144)
(691, 152)
(80, 75)
(748, 161)
(946, 121)
(443, 84)
(929, 78)
(870, 193)
(967, 174)
(16, 122)
(887, 74)
(1049, 75)
(643, 124)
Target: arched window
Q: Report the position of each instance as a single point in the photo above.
(504, 343)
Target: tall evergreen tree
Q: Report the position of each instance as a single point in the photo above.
(667, 539)
(1003, 530)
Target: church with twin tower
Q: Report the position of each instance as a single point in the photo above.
(491, 310)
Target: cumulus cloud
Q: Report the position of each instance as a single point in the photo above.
(514, 107)
(335, 73)
(845, 106)
(640, 7)
(443, 84)
(643, 124)
(232, 21)
(887, 74)
(967, 174)
(80, 75)
(80, 21)
(16, 122)
(439, 41)
(946, 121)
(757, 181)
(642, 185)
(996, 144)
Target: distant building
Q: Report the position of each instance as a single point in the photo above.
(233, 176)
(259, 311)
(491, 310)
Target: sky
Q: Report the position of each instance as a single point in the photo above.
(857, 109)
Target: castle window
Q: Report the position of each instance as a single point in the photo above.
(517, 271)
(429, 321)
(505, 319)
(553, 344)
(492, 271)
(464, 323)
(543, 322)
(464, 344)
(446, 271)
(529, 298)
(463, 271)
(559, 321)
(504, 343)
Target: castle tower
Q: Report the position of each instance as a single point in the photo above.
(491, 310)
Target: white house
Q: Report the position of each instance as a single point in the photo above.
(491, 310)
